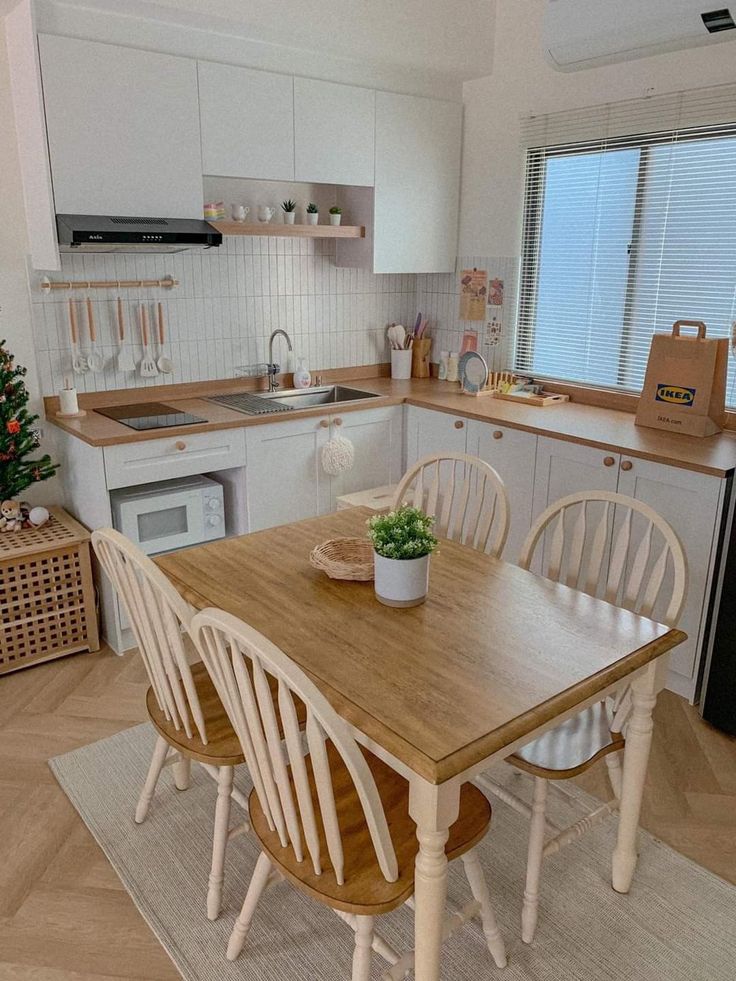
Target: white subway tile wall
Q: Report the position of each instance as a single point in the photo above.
(223, 311)
(438, 297)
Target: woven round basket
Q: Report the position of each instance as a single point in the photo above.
(344, 558)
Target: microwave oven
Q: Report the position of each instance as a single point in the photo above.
(170, 514)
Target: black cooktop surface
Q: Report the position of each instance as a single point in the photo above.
(149, 415)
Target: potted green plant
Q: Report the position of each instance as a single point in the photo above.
(312, 213)
(335, 215)
(289, 209)
(402, 544)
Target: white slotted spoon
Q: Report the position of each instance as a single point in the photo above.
(125, 360)
(79, 362)
(147, 367)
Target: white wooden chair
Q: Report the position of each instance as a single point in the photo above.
(334, 822)
(620, 550)
(182, 703)
(464, 494)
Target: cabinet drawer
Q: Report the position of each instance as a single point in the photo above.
(175, 456)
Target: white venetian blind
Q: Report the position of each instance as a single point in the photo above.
(629, 225)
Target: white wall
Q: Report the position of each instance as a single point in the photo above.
(523, 83)
(15, 308)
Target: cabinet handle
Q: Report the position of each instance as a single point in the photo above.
(608, 461)
(459, 424)
(497, 434)
(627, 465)
(338, 421)
(180, 444)
(324, 423)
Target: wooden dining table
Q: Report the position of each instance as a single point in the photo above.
(493, 658)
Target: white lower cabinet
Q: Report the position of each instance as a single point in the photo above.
(428, 431)
(285, 479)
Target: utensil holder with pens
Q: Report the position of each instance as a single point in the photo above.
(420, 352)
(401, 363)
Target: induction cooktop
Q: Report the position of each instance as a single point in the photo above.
(149, 415)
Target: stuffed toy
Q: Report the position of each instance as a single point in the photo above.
(11, 516)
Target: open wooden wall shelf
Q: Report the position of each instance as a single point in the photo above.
(289, 231)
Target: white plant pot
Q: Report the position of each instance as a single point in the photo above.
(401, 582)
(289, 217)
(311, 217)
(335, 219)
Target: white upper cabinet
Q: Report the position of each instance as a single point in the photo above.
(247, 120)
(123, 129)
(418, 144)
(334, 132)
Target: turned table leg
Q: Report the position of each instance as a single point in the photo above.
(434, 808)
(644, 691)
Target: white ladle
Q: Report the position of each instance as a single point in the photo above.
(165, 365)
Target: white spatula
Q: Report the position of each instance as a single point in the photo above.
(165, 364)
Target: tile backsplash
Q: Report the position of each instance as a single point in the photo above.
(224, 309)
(228, 301)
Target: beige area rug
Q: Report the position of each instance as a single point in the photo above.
(677, 924)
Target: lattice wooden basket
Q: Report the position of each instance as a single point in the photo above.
(344, 558)
(47, 596)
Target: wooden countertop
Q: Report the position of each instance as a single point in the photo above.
(607, 429)
(494, 653)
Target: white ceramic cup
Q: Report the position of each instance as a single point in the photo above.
(401, 364)
(265, 213)
(239, 212)
(401, 582)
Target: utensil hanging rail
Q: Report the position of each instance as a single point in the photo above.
(168, 282)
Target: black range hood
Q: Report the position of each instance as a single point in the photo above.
(104, 233)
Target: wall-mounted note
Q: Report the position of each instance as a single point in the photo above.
(473, 293)
(495, 293)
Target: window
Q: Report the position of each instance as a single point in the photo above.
(621, 238)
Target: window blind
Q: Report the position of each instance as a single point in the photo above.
(625, 232)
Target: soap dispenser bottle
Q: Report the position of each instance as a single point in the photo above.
(302, 378)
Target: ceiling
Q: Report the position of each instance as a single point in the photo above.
(453, 38)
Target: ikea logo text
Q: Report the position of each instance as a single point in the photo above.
(675, 394)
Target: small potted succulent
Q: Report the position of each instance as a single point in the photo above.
(335, 215)
(312, 213)
(289, 209)
(402, 544)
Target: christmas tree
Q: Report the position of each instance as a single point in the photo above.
(18, 438)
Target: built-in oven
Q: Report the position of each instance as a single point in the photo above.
(170, 514)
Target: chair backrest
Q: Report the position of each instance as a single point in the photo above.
(613, 547)
(229, 647)
(157, 615)
(464, 494)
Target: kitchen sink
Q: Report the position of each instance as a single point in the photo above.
(266, 403)
(304, 398)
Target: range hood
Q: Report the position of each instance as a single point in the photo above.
(105, 233)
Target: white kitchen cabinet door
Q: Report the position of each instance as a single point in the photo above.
(333, 132)
(564, 468)
(123, 129)
(691, 503)
(247, 120)
(284, 475)
(417, 184)
(377, 437)
(428, 431)
(512, 453)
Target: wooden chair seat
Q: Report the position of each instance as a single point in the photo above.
(366, 892)
(572, 747)
(223, 746)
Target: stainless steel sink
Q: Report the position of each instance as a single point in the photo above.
(265, 403)
(304, 398)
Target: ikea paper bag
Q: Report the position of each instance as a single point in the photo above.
(685, 384)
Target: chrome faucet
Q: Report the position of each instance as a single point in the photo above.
(273, 369)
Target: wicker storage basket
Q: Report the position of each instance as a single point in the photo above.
(344, 558)
(47, 597)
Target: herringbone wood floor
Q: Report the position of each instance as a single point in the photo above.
(63, 913)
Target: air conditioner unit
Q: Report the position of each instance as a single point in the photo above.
(585, 33)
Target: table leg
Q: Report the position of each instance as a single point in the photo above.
(644, 691)
(434, 808)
